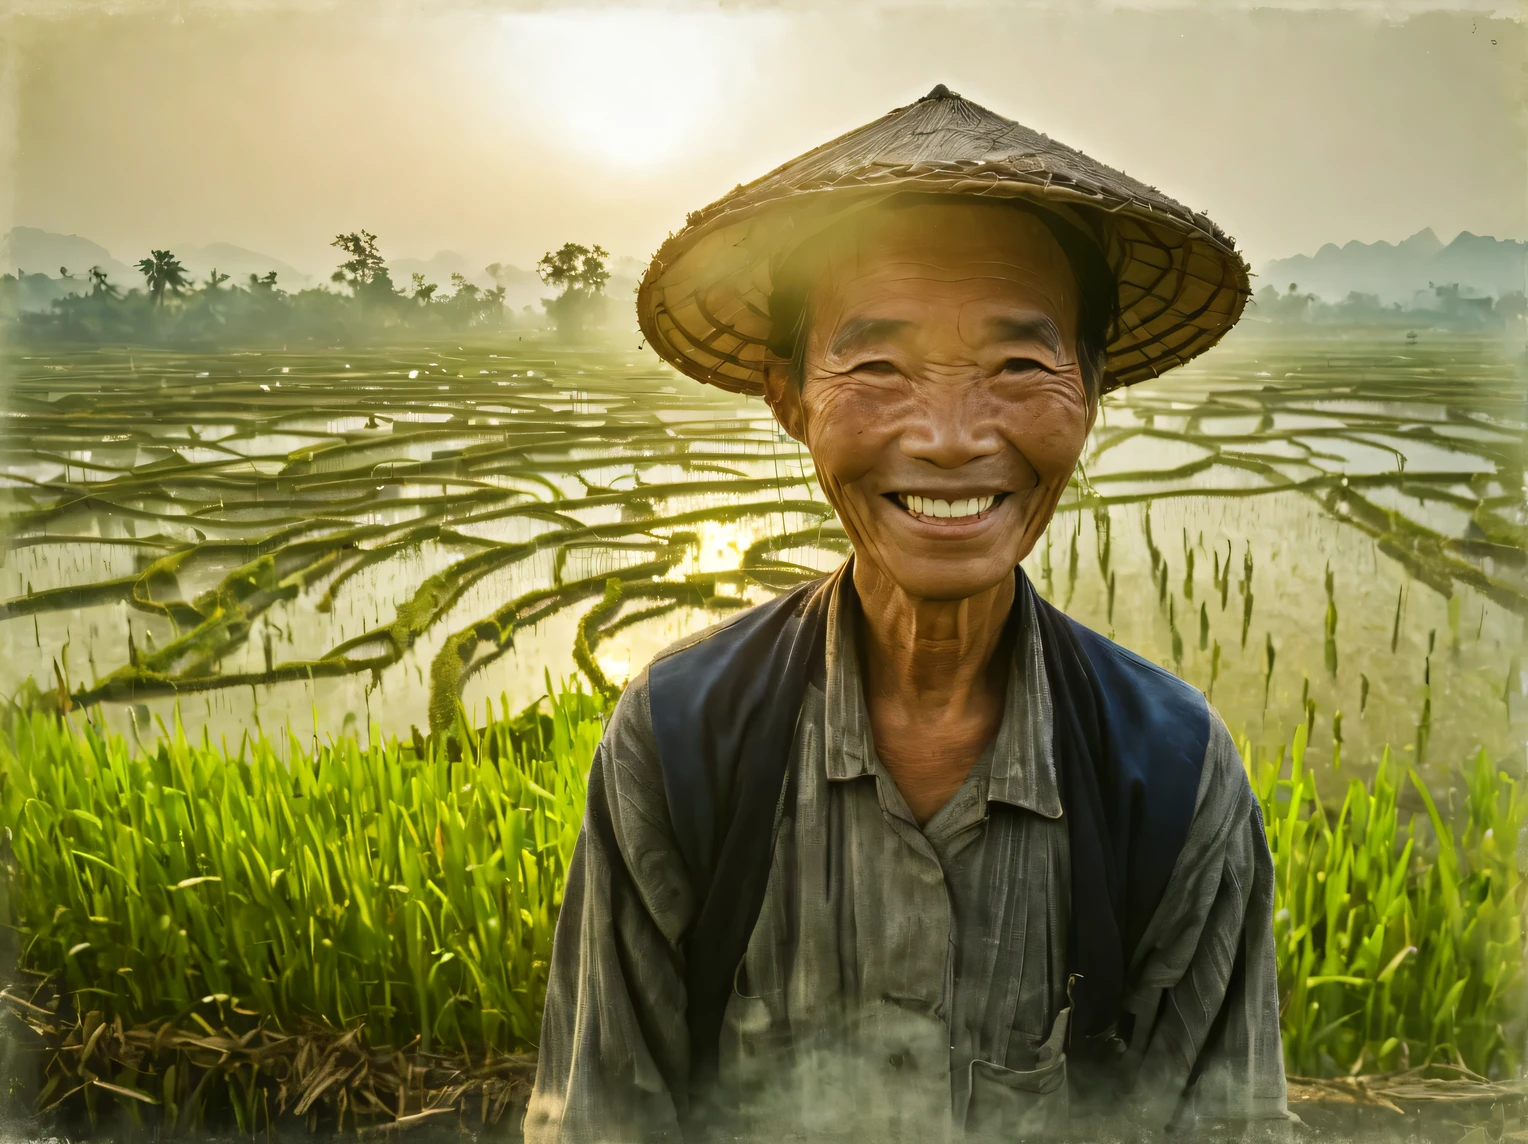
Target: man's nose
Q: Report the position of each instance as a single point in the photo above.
(950, 429)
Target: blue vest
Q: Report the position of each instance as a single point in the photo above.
(1130, 740)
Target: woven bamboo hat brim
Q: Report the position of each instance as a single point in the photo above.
(704, 302)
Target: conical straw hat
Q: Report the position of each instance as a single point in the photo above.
(704, 302)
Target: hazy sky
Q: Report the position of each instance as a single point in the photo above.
(499, 130)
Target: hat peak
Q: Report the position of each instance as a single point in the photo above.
(941, 92)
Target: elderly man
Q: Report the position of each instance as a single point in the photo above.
(906, 852)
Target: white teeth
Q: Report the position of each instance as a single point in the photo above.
(928, 506)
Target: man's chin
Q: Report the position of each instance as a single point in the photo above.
(949, 581)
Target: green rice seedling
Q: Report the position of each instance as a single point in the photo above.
(1188, 567)
(1177, 636)
(1400, 937)
(1071, 565)
(1104, 536)
(407, 894)
(1331, 623)
(1151, 544)
(1270, 654)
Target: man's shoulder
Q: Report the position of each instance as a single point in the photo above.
(743, 617)
(738, 627)
(1164, 694)
(722, 706)
(1155, 719)
(1157, 731)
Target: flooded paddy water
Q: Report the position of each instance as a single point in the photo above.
(340, 539)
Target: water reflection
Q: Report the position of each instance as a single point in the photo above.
(281, 538)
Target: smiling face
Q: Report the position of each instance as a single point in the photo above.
(941, 394)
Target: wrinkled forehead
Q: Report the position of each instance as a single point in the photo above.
(959, 251)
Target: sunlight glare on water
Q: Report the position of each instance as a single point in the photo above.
(1297, 532)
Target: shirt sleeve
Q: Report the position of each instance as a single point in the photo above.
(1205, 990)
(614, 1052)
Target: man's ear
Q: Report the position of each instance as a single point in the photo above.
(784, 398)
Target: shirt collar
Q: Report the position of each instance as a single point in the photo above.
(850, 744)
(1023, 771)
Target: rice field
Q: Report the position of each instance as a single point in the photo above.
(267, 848)
(210, 930)
(323, 541)
(402, 895)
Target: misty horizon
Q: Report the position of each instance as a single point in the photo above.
(318, 273)
(498, 134)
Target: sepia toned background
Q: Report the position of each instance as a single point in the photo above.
(495, 130)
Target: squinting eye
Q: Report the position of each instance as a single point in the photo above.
(1021, 365)
(882, 368)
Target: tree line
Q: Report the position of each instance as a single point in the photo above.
(366, 305)
(1447, 306)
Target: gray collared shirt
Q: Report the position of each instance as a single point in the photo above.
(902, 982)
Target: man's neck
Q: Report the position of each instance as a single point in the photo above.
(933, 684)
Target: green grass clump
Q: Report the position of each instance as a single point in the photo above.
(408, 887)
(1400, 935)
(410, 890)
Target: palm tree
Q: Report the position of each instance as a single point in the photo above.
(163, 271)
(98, 283)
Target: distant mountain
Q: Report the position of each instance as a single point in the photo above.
(1480, 265)
(438, 270)
(521, 287)
(239, 263)
(43, 252)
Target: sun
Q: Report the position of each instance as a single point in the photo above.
(630, 87)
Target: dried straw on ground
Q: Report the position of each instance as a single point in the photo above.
(324, 1078)
(1408, 1092)
(187, 1078)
